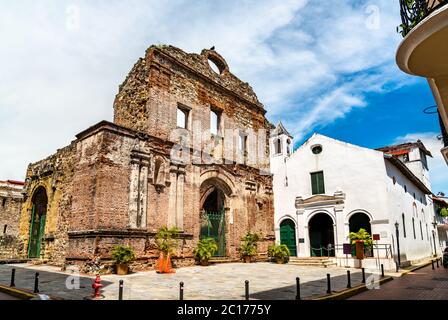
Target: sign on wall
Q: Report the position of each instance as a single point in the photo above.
(347, 248)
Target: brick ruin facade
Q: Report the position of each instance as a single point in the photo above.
(10, 207)
(118, 183)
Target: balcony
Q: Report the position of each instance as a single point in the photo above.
(415, 11)
(424, 49)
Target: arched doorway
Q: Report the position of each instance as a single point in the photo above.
(321, 235)
(37, 225)
(213, 219)
(288, 235)
(358, 221)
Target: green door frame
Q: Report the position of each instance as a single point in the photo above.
(40, 234)
(215, 229)
(288, 236)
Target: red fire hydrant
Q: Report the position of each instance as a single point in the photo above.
(97, 287)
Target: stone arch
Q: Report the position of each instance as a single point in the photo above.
(215, 192)
(358, 220)
(286, 217)
(321, 233)
(312, 214)
(351, 213)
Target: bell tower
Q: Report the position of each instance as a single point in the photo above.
(281, 144)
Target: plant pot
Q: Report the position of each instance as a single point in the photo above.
(122, 269)
(247, 259)
(204, 263)
(279, 261)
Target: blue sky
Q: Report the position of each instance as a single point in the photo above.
(327, 68)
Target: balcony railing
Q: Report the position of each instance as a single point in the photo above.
(414, 11)
(444, 133)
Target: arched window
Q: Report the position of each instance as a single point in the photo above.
(288, 147)
(278, 146)
(404, 225)
(421, 230)
(413, 227)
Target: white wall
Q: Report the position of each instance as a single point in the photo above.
(365, 178)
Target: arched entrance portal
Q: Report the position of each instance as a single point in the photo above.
(37, 226)
(321, 235)
(213, 219)
(358, 221)
(288, 235)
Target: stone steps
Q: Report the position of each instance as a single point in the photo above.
(312, 261)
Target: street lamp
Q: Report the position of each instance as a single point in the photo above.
(398, 243)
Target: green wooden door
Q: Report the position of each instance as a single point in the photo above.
(288, 236)
(37, 230)
(213, 226)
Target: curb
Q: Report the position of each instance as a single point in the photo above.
(416, 268)
(23, 295)
(344, 294)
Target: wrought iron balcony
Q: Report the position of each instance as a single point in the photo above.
(444, 133)
(414, 11)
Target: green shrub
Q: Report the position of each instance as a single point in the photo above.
(205, 250)
(123, 254)
(443, 212)
(279, 252)
(166, 240)
(362, 235)
(248, 247)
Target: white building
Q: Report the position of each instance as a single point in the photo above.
(328, 188)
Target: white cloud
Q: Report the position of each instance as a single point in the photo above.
(438, 171)
(308, 62)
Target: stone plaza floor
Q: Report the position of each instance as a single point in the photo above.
(215, 282)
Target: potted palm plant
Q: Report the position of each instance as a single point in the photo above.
(167, 242)
(248, 247)
(205, 250)
(279, 253)
(361, 236)
(123, 256)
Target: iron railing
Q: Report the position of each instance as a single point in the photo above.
(444, 133)
(414, 11)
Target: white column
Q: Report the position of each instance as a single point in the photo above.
(172, 199)
(143, 197)
(180, 201)
(134, 195)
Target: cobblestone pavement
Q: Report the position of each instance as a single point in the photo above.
(216, 282)
(423, 284)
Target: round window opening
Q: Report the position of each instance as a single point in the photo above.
(214, 66)
(316, 149)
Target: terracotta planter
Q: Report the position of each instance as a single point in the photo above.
(164, 264)
(247, 259)
(204, 263)
(279, 261)
(122, 269)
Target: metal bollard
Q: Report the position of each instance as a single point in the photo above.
(363, 275)
(13, 278)
(120, 290)
(36, 283)
(247, 289)
(432, 264)
(349, 280)
(328, 284)
(298, 288)
(437, 261)
(382, 270)
(181, 291)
